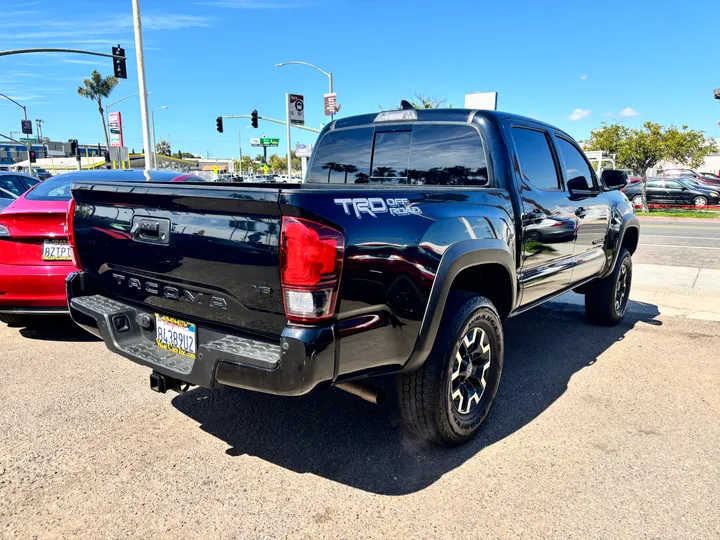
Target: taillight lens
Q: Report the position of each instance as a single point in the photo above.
(70, 224)
(311, 259)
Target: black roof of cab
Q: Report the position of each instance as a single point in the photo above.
(442, 115)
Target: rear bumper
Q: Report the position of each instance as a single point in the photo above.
(302, 359)
(33, 288)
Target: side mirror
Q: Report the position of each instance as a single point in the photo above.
(614, 179)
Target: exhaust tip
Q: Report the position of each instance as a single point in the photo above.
(368, 393)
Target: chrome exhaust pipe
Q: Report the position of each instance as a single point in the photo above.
(368, 393)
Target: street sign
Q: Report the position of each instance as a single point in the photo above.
(303, 150)
(331, 104)
(116, 134)
(265, 141)
(26, 126)
(27, 140)
(266, 169)
(296, 107)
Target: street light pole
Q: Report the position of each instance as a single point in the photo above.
(154, 149)
(27, 145)
(240, 148)
(137, 25)
(107, 107)
(326, 73)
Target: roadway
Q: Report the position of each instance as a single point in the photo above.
(597, 433)
(689, 243)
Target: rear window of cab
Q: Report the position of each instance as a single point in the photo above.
(417, 154)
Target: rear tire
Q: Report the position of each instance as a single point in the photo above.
(449, 397)
(15, 320)
(606, 300)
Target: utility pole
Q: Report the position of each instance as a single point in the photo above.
(137, 25)
(240, 149)
(287, 125)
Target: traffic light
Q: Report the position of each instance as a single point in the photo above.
(70, 147)
(254, 116)
(218, 121)
(106, 154)
(119, 63)
(33, 157)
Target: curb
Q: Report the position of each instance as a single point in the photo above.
(667, 218)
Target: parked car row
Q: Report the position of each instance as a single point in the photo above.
(35, 254)
(674, 191)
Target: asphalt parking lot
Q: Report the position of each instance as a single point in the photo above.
(597, 433)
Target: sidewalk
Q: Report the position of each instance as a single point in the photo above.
(674, 291)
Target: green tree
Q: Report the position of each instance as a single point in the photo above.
(422, 101)
(163, 148)
(640, 149)
(98, 88)
(277, 164)
(688, 147)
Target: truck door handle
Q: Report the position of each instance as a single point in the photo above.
(581, 212)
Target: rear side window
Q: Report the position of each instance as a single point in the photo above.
(575, 164)
(537, 165)
(424, 154)
(52, 189)
(447, 155)
(10, 187)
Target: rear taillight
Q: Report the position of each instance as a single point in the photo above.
(311, 259)
(70, 225)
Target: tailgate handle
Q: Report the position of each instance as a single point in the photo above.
(150, 230)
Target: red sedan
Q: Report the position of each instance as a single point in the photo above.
(35, 255)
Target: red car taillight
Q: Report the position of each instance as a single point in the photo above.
(70, 224)
(311, 259)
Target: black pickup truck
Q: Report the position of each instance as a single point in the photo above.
(416, 233)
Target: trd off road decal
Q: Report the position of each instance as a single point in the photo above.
(376, 205)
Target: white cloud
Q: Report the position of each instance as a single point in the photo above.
(87, 62)
(583, 77)
(628, 112)
(254, 4)
(579, 114)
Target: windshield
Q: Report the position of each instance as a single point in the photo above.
(52, 189)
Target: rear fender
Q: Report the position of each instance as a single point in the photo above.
(457, 258)
(616, 235)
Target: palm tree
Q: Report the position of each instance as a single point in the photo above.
(97, 88)
(331, 167)
(348, 169)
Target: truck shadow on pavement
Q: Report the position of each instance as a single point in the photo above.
(338, 436)
(55, 328)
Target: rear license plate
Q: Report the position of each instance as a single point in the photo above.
(55, 250)
(175, 335)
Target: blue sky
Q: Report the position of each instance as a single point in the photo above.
(549, 60)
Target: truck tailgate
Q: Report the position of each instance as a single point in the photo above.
(208, 254)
